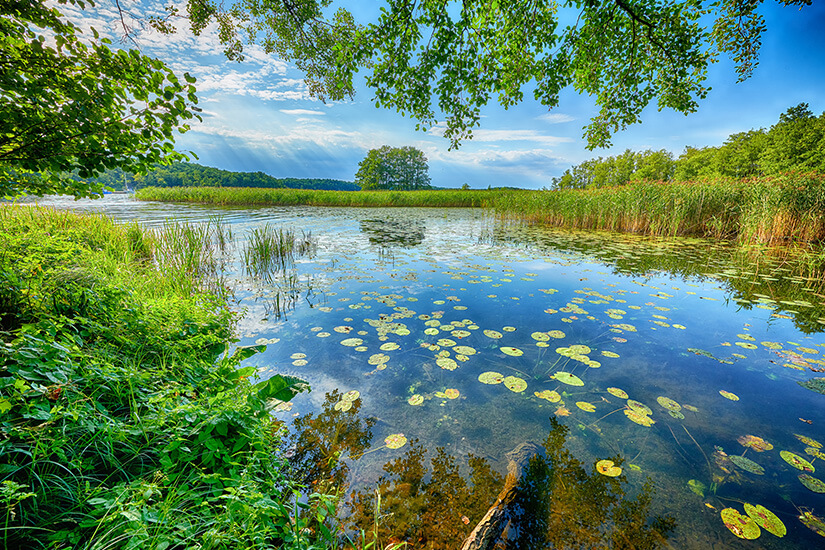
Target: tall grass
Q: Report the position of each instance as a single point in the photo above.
(766, 209)
(294, 197)
(270, 250)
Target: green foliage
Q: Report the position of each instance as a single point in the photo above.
(75, 104)
(123, 422)
(618, 170)
(400, 168)
(185, 174)
(444, 61)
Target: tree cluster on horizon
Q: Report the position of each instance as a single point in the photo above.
(796, 143)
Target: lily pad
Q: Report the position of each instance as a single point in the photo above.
(352, 342)
(446, 342)
(540, 336)
(378, 359)
(446, 363)
(580, 349)
(812, 522)
(416, 399)
(550, 395)
(491, 377)
(464, 350)
(511, 351)
(743, 527)
(585, 406)
(516, 384)
(697, 487)
(808, 441)
(729, 395)
(756, 443)
(766, 519)
(351, 395)
(747, 464)
(668, 403)
(395, 441)
(621, 394)
(557, 334)
(638, 418)
(389, 346)
(608, 468)
(343, 405)
(611, 354)
(814, 484)
(639, 407)
(451, 393)
(568, 378)
(796, 461)
(494, 334)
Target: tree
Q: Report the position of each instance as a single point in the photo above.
(796, 142)
(69, 104)
(393, 168)
(442, 59)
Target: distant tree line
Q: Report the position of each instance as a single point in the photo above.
(185, 174)
(796, 143)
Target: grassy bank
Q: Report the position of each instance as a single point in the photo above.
(766, 210)
(247, 196)
(123, 423)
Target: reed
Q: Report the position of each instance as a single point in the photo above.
(787, 208)
(270, 250)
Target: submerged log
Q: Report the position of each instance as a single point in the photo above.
(506, 518)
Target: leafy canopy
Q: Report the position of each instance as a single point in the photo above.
(442, 61)
(393, 168)
(71, 103)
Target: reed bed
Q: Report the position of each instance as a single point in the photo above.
(788, 208)
(248, 196)
(270, 250)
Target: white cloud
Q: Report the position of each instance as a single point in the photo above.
(304, 112)
(556, 118)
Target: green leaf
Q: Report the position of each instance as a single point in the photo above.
(281, 387)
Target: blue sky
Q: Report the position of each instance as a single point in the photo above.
(258, 115)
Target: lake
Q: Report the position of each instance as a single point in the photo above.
(464, 332)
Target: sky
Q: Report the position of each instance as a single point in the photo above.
(259, 116)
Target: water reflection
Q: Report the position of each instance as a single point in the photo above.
(403, 232)
(549, 500)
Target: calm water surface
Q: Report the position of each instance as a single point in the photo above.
(414, 305)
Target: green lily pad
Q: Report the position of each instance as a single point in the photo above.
(550, 395)
(639, 407)
(343, 405)
(540, 336)
(352, 342)
(766, 519)
(446, 342)
(446, 363)
(351, 395)
(611, 354)
(668, 403)
(621, 394)
(491, 377)
(585, 406)
(494, 334)
(516, 384)
(697, 487)
(395, 441)
(568, 378)
(416, 399)
(729, 395)
(812, 522)
(464, 350)
(743, 527)
(814, 484)
(389, 346)
(638, 418)
(378, 359)
(747, 464)
(608, 468)
(511, 351)
(808, 441)
(557, 334)
(797, 461)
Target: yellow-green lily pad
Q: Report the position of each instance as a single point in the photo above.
(740, 525)
(608, 468)
(668, 403)
(638, 418)
(511, 351)
(395, 441)
(747, 464)
(446, 363)
(464, 350)
(550, 395)
(494, 334)
(585, 406)
(729, 395)
(617, 392)
(796, 461)
(352, 342)
(639, 407)
(416, 399)
(516, 384)
(540, 336)
(766, 519)
(814, 484)
(568, 378)
(491, 377)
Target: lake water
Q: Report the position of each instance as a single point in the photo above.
(468, 333)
